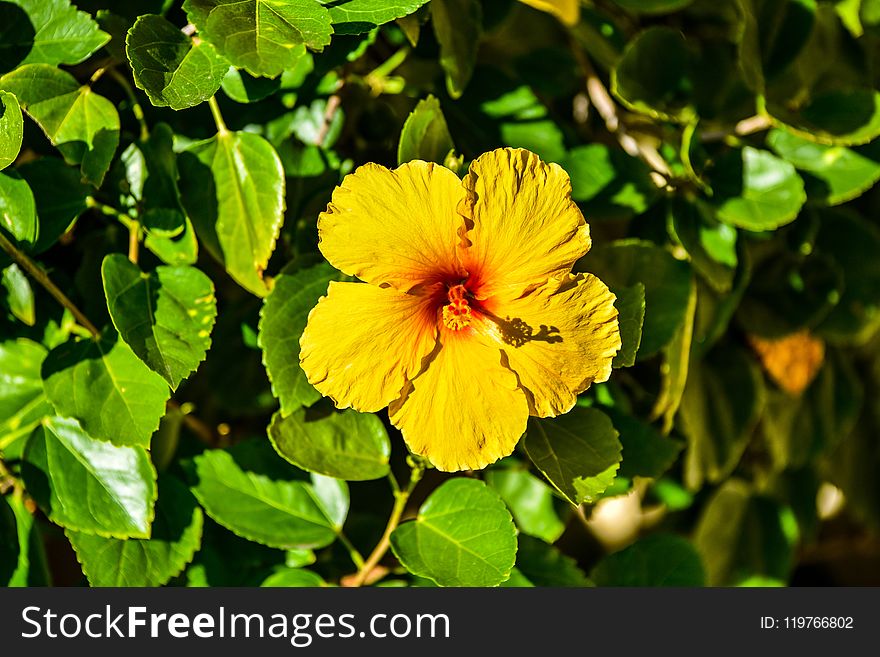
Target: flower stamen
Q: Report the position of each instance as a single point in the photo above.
(457, 314)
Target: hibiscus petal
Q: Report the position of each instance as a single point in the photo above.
(523, 226)
(396, 228)
(558, 339)
(362, 343)
(568, 11)
(464, 410)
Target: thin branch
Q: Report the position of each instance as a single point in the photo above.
(134, 241)
(400, 500)
(136, 108)
(43, 279)
(333, 104)
(607, 109)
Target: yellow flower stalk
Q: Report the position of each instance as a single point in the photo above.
(469, 318)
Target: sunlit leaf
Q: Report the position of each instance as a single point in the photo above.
(578, 452)
(89, 485)
(463, 536)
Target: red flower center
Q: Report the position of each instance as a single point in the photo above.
(457, 314)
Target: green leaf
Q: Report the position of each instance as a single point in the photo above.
(22, 400)
(756, 190)
(282, 321)
(425, 135)
(179, 250)
(11, 128)
(83, 125)
(166, 316)
(346, 445)
(842, 117)
(722, 401)
(458, 26)
(107, 388)
(676, 363)
(19, 294)
(652, 76)
(656, 560)
(60, 197)
(832, 174)
(788, 293)
(16, 541)
(530, 501)
(853, 243)
(545, 565)
(359, 16)
(233, 190)
(774, 33)
(244, 88)
(711, 245)
(646, 453)
(151, 168)
(630, 304)
(741, 534)
(667, 285)
(18, 212)
(294, 578)
(463, 536)
(174, 70)
(176, 535)
(578, 452)
(260, 35)
(88, 485)
(797, 429)
(253, 493)
(55, 32)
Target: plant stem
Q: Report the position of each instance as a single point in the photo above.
(136, 108)
(134, 240)
(401, 497)
(607, 109)
(356, 557)
(43, 279)
(218, 117)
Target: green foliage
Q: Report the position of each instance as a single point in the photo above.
(82, 124)
(657, 560)
(282, 322)
(11, 129)
(347, 445)
(163, 164)
(174, 71)
(165, 317)
(579, 453)
(243, 490)
(176, 534)
(236, 218)
(463, 536)
(102, 383)
(89, 485)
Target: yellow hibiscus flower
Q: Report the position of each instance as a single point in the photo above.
(469, 319)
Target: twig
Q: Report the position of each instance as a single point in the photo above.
(744, 128)
(400, 499)
(607, 109)
(134, 240)
(136, 108)
(330, 110)
(43, 279)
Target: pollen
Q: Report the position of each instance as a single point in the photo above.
(457, 313)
